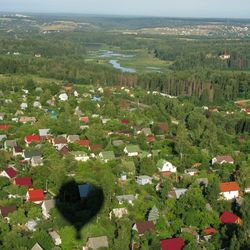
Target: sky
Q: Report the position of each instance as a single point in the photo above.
(166, 8)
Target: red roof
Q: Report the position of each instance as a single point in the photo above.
(35, 195)
(150, 138)
(4, 127)
(126, 122)
(11, 172)
(163, 127)
(144, 226)
(84, 119)
(228, 217)
(209, 231)
(95, 147)
(83, 143)
(172, 244)
(229, 186)
(23, 181)
(5, 211)
(32, 138)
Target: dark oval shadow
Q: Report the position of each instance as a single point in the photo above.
(78, 203)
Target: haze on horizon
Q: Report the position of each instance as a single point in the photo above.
(164, 8)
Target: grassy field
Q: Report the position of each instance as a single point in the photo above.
(142, 61)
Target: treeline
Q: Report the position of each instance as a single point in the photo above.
(206, 86)
(76, 71)
(198, 54)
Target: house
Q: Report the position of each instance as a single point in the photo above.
(23, 181)
(24, 106)
(4, 127)
(177, 192)
(117, 143)
(37, 104)
(172, 244)
(132, 150)
(229, 190)
(35, 195)
(27, 155)
(128, 198)
(125, 122)
(73, 138)
(163, 127)
(150, 138)
(32, 138)
(55, 237)
(230, 218)
(84, 143)
(59, 142)
(63, 97)
(107, 156)
(191, 171)
(95, 147)
(221, 159)
(64, 151)
(10, 144)
(96, 99)
(17, 151)
(246, 110)
(166, 167)
(84, 119)
(80, 155)
(144, 179)
(47, 205)
(5, 211)
(36, 161)
(26, 119)
(44, 132)
(142, 227)
(146, 131)
(97, 243)
(208, 233)
(31, 225)
(36, 247)
(85, 190)
(118, 212)
(9, 172)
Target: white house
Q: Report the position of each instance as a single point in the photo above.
(229, 190)
(128, 198)
(166, 166)
(46, 207)
(118, 212)
(144, 180)
(63, 97)
(55, 237)
(80, 156)
(24, 106)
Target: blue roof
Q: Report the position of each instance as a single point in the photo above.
(96, 98)
(84, 190)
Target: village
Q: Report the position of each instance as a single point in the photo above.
(169, 178)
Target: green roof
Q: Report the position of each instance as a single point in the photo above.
(79, 153)
(133, 148)
(108, 155)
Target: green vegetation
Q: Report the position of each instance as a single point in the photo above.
(160, 145)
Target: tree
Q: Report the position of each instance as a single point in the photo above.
(182, 142)
(153, 214)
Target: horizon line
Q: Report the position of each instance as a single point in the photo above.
(119, 15)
